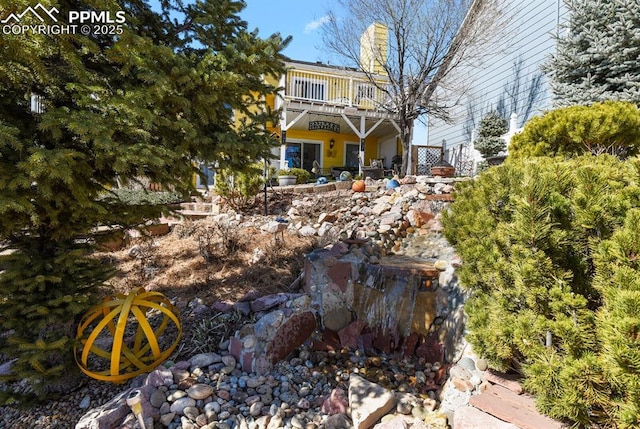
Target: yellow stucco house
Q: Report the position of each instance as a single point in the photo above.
(335, 115)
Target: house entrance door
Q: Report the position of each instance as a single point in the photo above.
(302, 155)
(310, 153)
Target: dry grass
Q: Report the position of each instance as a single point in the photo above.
(175, 266)
(212, 262)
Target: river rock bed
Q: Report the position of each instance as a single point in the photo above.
(311, 390)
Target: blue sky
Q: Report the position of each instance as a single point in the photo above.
(300, 19)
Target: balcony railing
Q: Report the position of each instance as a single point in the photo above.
(333, 89)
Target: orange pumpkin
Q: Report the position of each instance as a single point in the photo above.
(358, 186)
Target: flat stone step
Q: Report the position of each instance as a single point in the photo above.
(472, 418)
(439, 197)
(408, 266)
(327, 187)
(510, 381)
(512, 408)
(190, 214)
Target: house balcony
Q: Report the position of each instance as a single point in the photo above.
(333, 116)
(334, 90)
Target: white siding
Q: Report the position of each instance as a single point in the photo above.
(535, 22)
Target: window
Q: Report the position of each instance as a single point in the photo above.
(210, 174)
(352, 155)
(309, 88)
(302, 155)
(37, 103)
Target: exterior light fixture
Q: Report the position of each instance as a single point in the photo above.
(332, 142)
(134, 402)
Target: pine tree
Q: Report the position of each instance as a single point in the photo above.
(597, 55)
(146, 103)
(618, 280)
(490, 141)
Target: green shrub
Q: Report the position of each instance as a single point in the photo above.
(239, 187)
(490, 143)
(609, 127)
(617, 280)
(490, 146)
(481, 166)
(302, 175)
(553, 280)
(493, 125)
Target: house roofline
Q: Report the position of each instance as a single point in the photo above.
(320, 66)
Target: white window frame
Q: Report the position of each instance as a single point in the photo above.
(212, 169)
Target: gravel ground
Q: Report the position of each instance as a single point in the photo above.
(63, 413)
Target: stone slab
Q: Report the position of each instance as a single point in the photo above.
(408, 266)
(372, 188)
(439, 197)
(303, 189)
(340, 274)
(368, 402)
(432, 180)
(513, 408)
(472, 418)
(343, 185)
(505, 380)
(291, 334)
(327, 187)
(424, 312)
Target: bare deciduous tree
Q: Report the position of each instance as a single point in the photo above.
(428, 41)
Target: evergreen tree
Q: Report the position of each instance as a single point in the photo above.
(597, 54)
(490, 141)
(618, 280)
(146, 103)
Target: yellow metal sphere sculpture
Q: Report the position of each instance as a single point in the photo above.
(110, 356)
